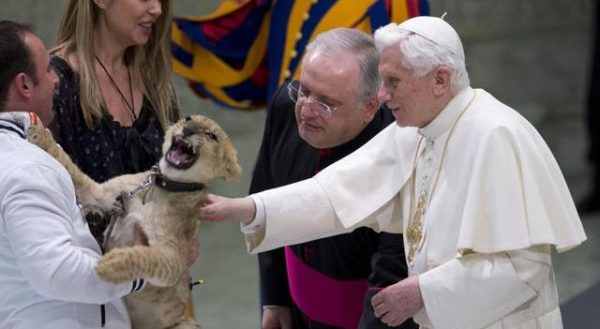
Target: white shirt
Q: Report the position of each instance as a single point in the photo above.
(47, 253)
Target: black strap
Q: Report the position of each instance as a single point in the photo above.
(174, 186)
(102, 316)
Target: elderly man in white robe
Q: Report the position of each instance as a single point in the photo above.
(471, 184)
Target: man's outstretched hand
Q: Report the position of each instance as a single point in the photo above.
(220, 209)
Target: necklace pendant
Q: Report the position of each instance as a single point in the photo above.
(421, 201)
(414, 232)
(411, 255)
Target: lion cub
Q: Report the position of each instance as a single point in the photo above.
(164, 203)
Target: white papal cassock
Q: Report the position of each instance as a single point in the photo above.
(499, 205)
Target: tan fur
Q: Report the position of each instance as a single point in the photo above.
(169, 220)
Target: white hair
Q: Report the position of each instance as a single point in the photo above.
(421, 55)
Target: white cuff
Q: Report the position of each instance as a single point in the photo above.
(259, 219)
(274, 307)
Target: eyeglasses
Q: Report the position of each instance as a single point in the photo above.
(298, 96)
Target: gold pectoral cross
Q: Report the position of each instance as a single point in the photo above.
(414, 232)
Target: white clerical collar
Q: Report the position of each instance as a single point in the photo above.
(444, 121)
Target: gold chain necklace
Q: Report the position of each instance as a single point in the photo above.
(415, 235)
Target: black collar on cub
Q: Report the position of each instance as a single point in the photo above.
(167, 184)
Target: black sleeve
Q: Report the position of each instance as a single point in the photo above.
(274, 289)
(261, 176)
(389, 267)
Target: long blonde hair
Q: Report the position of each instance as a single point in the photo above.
(150, 63)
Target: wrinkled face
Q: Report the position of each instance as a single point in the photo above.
(130, 22)
(45, 82)
(331, 80)
(408, 98)
(196, 149)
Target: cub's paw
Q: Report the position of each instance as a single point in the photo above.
(40, 136)
(118, 265)
(117, 208)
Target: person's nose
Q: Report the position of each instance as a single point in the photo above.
(383, 95)
(307, 109)
(155, 8)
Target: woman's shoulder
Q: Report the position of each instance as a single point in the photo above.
(66, 100)
(67, 76)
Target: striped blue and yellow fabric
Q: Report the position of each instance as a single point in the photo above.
(239, 55)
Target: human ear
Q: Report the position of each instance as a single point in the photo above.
(442, 76)
(23, 85)
(371, 107)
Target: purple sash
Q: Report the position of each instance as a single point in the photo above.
(322, 298)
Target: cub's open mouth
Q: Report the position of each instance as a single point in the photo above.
(182, 154)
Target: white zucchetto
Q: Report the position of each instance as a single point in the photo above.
(436, 30)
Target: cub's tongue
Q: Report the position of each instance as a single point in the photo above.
(181, 155)
(177, 155)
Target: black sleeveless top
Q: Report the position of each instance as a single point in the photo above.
(110, 149)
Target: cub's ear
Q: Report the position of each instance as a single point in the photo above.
(230, 169)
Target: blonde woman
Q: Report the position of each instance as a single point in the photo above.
(115, 97)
